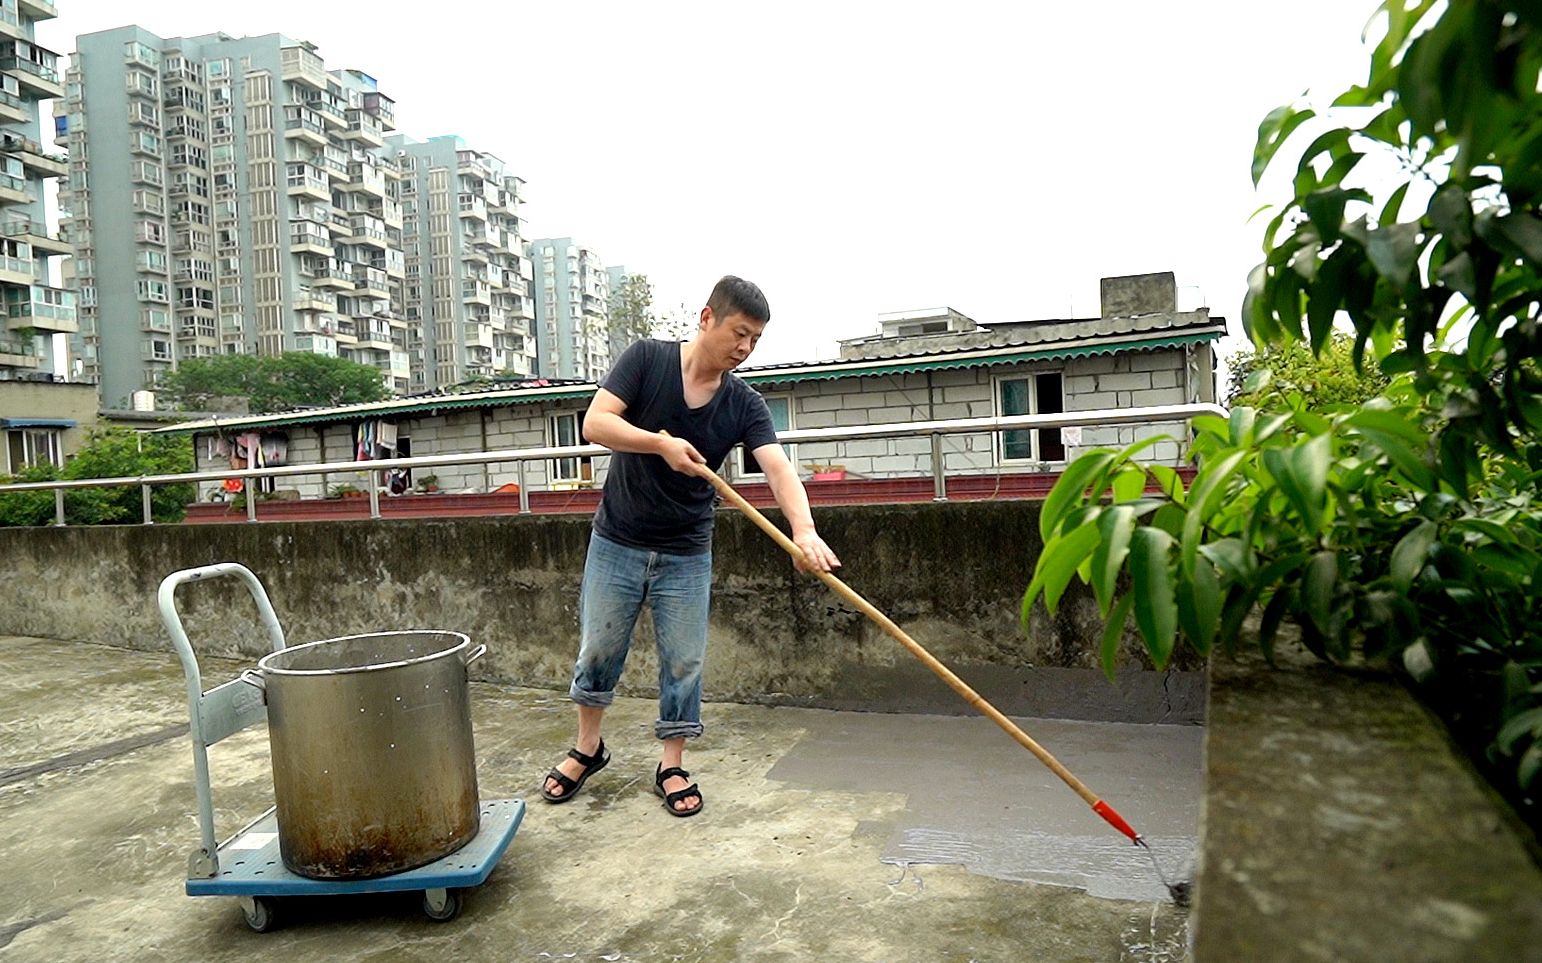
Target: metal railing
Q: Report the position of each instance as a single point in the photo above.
(935, 430)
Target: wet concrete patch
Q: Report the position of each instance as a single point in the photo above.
(973, 797)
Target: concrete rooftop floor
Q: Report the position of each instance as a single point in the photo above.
(831, 836)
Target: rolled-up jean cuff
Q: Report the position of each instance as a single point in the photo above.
(677, 730)
(595, 700)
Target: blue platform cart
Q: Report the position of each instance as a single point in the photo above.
(247, 865)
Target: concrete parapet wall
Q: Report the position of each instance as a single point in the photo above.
(1341, 824)
(951, 575)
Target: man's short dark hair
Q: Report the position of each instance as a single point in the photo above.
(733, 295)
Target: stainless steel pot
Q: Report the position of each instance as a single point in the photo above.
(373, 766)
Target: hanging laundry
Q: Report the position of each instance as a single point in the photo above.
(275, 448)
(388, 435)
(250, 446)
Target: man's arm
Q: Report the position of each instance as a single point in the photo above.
(790, 497)
(603, 425)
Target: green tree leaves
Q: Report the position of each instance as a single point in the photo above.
(296, 379)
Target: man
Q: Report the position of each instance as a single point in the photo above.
(671, 412)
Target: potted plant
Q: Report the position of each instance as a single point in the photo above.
(345, 491)
(427, 484)
(827, 472)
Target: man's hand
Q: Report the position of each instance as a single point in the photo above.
(681, 455)
(817, 554)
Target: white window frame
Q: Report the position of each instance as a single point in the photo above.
(998, 405)
(741, 465)
(573, 472)
(52, 439)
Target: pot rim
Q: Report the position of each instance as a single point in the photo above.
(460, 646)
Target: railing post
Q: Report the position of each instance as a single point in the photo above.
(939, 480)
(374, 497)
(144, 500)
(524, 490)
(59, 507)
(251, 498)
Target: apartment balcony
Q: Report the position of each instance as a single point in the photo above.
(34, 233)
(390, 167)
(155, 321)
(302, 65)
(364, 179)
(339, 223)
(399, 364)
(478, 335)
(334, 167)
(312, 343)
(476, 292)
(10, 24)
(305, 129)
(310, 238)
(391, 213)
(13, 190)
(364, 129)
(344, 331)
(155, 351)
(37, 80)
(382, 108)
(311, 299)
(369, 282)
(34, 157)
(308, 181)
(488, 238)
(40, 307)
(17, 353)
(375, 335)
(472, 253)
(394, 264)
(367, 231)
(469, 162)
(332, 114)
(39, 9)
(17, 270)
(473, 207)
(14, 110)
(336, 276)
(502, 202)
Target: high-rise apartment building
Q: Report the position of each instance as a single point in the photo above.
(35, 309)
(467, 293)
(229, 195)
(572, 294)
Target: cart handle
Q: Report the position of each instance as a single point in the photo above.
(204, 862)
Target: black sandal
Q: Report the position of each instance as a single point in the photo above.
(570, 786)
(671, 798)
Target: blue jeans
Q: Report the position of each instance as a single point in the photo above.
(618, 581)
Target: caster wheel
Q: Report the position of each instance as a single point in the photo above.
(260, 912)
(441, 905)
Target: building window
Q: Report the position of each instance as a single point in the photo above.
(781, 420)
(567, 429)
(1033, 394)
(29, 447)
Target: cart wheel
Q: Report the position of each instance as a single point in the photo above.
(261, 913)
(441, 905)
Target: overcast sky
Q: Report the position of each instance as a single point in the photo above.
(851, 159)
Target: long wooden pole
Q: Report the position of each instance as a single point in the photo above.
(958, 685)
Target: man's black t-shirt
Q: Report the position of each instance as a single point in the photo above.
(646, 504)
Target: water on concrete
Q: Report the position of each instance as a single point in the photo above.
(787, 864)
(975, 798)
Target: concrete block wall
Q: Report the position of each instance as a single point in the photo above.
(1098, 382)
